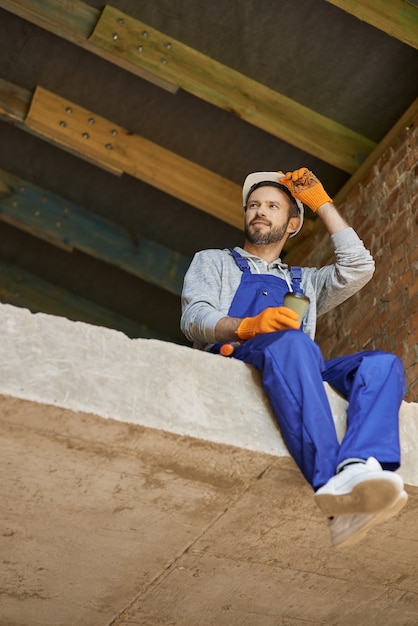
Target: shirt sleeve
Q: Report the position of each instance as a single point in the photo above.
(353, 268)
(200, 299)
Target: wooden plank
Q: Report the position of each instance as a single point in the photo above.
(73, 127)
(406, 120)
(185, 180)
(74, 21)
(397, 18)
(171, 62)
(142, 159)
(52, 218)
(134, 155)
(23, 289)
(222, 86)
(14, 101)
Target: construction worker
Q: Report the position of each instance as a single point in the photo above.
(234, 298)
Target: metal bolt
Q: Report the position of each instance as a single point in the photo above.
(115, 36)
(168, 45)
(68, 110)
(164, 61)
(121, 21)
(114, 132)
(145, 33)
(140, 48)
(109, 146)
(86, 136)
(92, 120)
(63, 124)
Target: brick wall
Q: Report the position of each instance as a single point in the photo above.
(383, 209)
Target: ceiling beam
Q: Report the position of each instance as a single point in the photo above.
(68, 226)
(137, 47)
(108, 145)
(23, 289)
(14, 102)
(126, 37)
(397, 18)
(73, 21)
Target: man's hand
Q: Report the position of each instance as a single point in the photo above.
(268, 321)
(304, 186)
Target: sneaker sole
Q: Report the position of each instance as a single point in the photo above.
(373, 521)
(369, 496)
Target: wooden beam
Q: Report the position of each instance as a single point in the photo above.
(74, 21)
(226, 88)
(397, 18)
(63, 123)
(141, 158)
(14, 102)
(64, 224)
(23, 289)
(137, 47)
(405, 121)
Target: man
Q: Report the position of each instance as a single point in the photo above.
(236, 296)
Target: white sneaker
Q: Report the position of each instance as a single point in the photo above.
(360, 488)
(346, 530)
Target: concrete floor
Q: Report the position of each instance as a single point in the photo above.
(107, 523)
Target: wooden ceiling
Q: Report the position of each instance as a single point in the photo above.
(126, 131)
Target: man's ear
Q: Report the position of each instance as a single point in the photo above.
(293, 225)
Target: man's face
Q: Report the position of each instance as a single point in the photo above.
(267, 216)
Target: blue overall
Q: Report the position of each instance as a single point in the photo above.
(293, 371)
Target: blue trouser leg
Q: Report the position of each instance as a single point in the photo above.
(293, 372)
(374, 384)
(291, 365)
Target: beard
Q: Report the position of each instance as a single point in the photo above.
(264, 238)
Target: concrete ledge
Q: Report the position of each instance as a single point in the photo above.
(85, 368)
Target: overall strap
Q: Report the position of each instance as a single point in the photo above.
(296, 276)
(240, 261)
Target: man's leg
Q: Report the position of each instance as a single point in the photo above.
(374, 385)
(291, 365)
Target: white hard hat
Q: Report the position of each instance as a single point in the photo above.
(257, 179)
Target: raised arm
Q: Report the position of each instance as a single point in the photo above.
(305, 186)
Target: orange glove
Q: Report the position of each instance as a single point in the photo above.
(271, 319)
(304, 186)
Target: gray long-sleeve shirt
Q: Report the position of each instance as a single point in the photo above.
(213, 278)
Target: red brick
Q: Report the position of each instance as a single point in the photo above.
(409, 359)
(411, 307)
(404, 279)
(411, 380)
(413, 288)
(396, 306)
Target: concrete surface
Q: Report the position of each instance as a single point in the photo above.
(108, 522)
(161, 385)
